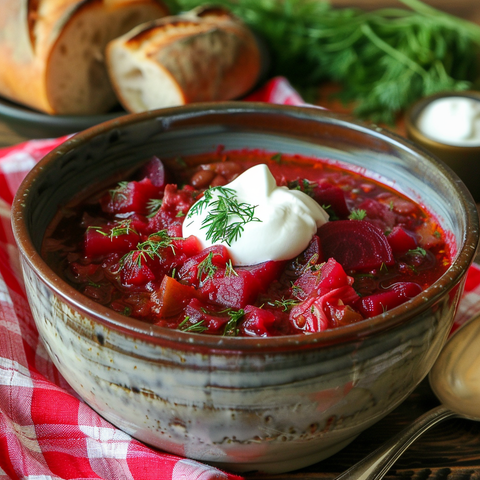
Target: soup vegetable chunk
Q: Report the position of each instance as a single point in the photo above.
(247, 243)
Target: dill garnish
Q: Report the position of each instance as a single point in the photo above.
(206, 268)
(226, 216)
(197, 327)
(119, 191)
(229, 270)
(231, 328)
(285, 303)
(357, 214)
(417, 251)
(277, 157)
(152, 247)
(123, 227)
(153, 206)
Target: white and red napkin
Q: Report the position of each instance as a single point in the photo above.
(46, 432)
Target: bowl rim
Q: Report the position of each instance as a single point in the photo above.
(201, 342)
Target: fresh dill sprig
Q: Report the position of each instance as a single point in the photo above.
(277, 157)
(153, 206)
(357, 214)
(152, 247)
(229, 270)
(417, 251)
(197, 327)
(119, 191)
(384, 59)
(231, 328)
(285, 303)
(303, 185)
(226, 216)
(122, 228)
(206, 269)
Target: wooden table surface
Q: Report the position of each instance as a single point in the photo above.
(450, 450)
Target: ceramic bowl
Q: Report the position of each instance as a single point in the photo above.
(463, 160)
(268, 404)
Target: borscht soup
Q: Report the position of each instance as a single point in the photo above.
(247, 243)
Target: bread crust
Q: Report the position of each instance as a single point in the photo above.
(206, 54)
(34, 34)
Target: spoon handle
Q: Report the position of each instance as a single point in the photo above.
(377, 464)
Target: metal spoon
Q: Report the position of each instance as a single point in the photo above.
(455, 380)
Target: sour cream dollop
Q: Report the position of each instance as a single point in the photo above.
(452, 120)
(287, 219)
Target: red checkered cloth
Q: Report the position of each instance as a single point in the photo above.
(46, 431)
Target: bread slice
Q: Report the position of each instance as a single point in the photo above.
(52, 51)
(206, 54)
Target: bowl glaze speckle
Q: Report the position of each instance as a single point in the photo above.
(269, 404)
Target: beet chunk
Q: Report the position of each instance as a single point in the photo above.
(258, 322)
(241, 287)
(316, 314)
(331, 197)
(318, 280)
(397, 294)
(130, 197)
(171, 297)
(401, 241)
(155, 171)
(356, 245)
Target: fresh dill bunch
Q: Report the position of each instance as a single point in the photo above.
(383, 59)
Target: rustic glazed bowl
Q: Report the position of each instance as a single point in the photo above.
(269, 404)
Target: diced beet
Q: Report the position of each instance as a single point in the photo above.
(356, 245)
(241, 287)
(318, 281)
(175, 205)
(130, 197)
(155, 171)
(190, 246)
(309, 316)
(171, 297)
(85, 273)
(189, 272)
(264, 273)
(258, 322)
(212, 319)
(401, 241)
(232, 291)
(377, 303)
(378, 214)
(101, 242)
(340, 314)
(135, 271)
(313, 314)
(328, 195)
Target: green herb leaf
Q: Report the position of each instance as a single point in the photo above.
(231, 328)
(119, 191)
(206, 269)
(285, 303)
(153, 206)
(357, 214)
(152, 247)
(227, 216)
(417, 251)
(197, 327)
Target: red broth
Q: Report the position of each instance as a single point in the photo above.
(123, 248)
